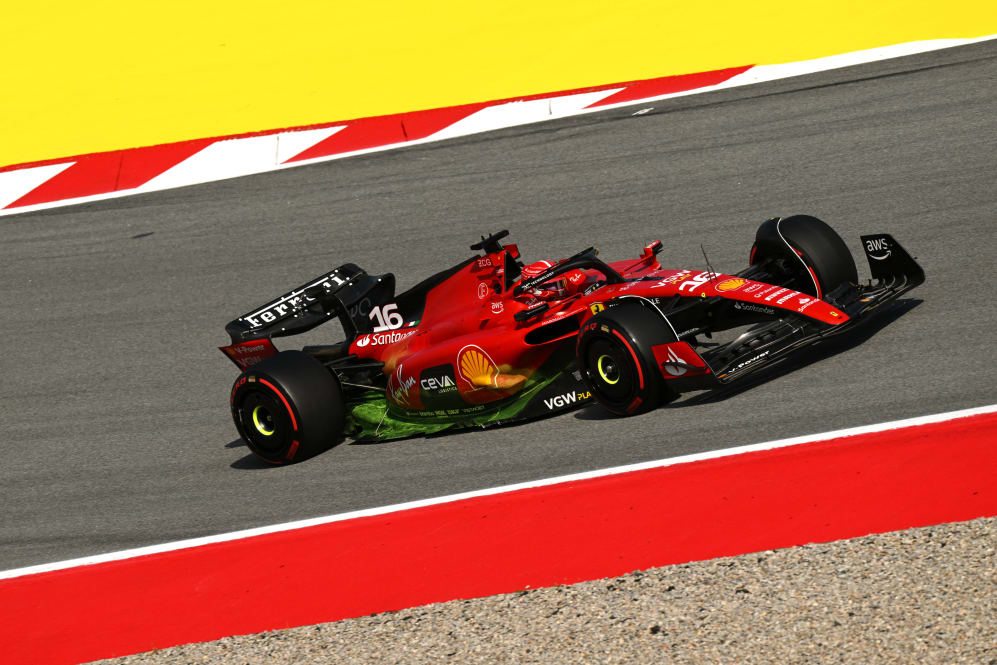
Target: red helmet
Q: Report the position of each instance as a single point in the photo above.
(560, 287)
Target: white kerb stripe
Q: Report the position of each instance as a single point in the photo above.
(292, 144)
(370, 512)
(232, 158)
(15, 184)
(763, 73)
(522, 113)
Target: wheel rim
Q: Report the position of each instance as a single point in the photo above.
(608, 370)
(264, 424)
(263, 420)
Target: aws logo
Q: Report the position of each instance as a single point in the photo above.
(478, 369)
(880, 245)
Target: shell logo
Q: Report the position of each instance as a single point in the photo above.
(477, 368)
(731, 284)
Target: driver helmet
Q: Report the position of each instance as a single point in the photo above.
(562, 286)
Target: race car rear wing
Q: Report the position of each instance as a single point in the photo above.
(347, 292)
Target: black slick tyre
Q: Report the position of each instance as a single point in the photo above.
(288, 408)
(616, 360)
(816, 256)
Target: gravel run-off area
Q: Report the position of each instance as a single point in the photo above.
(926, 595)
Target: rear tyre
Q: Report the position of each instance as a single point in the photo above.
(816, 258)
(614, 354)
(288, 408)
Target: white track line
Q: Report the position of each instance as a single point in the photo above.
(766, 73)
(544, 482)
(251, 155)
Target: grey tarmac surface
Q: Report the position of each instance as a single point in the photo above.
(116, 431)
(921, 596)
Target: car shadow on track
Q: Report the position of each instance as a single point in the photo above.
(251, 462)
(792, 363)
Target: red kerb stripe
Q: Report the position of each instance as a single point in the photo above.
(121, 170)
(670, 84)
(385, 130)
(105, 172)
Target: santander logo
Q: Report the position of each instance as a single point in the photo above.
(379, 339)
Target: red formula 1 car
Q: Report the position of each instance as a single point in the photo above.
(492, 340)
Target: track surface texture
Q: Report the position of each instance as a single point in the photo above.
(919, 596)
(114, 398)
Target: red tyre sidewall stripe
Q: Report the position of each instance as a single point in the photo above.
(294, 421)
(813, 275)
(640, 372)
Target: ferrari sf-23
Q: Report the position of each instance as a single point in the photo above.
(492, 341)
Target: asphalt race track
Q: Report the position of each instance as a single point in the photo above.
(115, 424)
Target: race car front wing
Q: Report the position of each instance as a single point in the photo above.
(894, 272)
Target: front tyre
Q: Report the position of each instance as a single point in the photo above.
(808, 251)
(615, 356)
(288, 408)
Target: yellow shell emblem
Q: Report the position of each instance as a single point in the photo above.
(480, 371)
(731, 284)
(477, 367)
